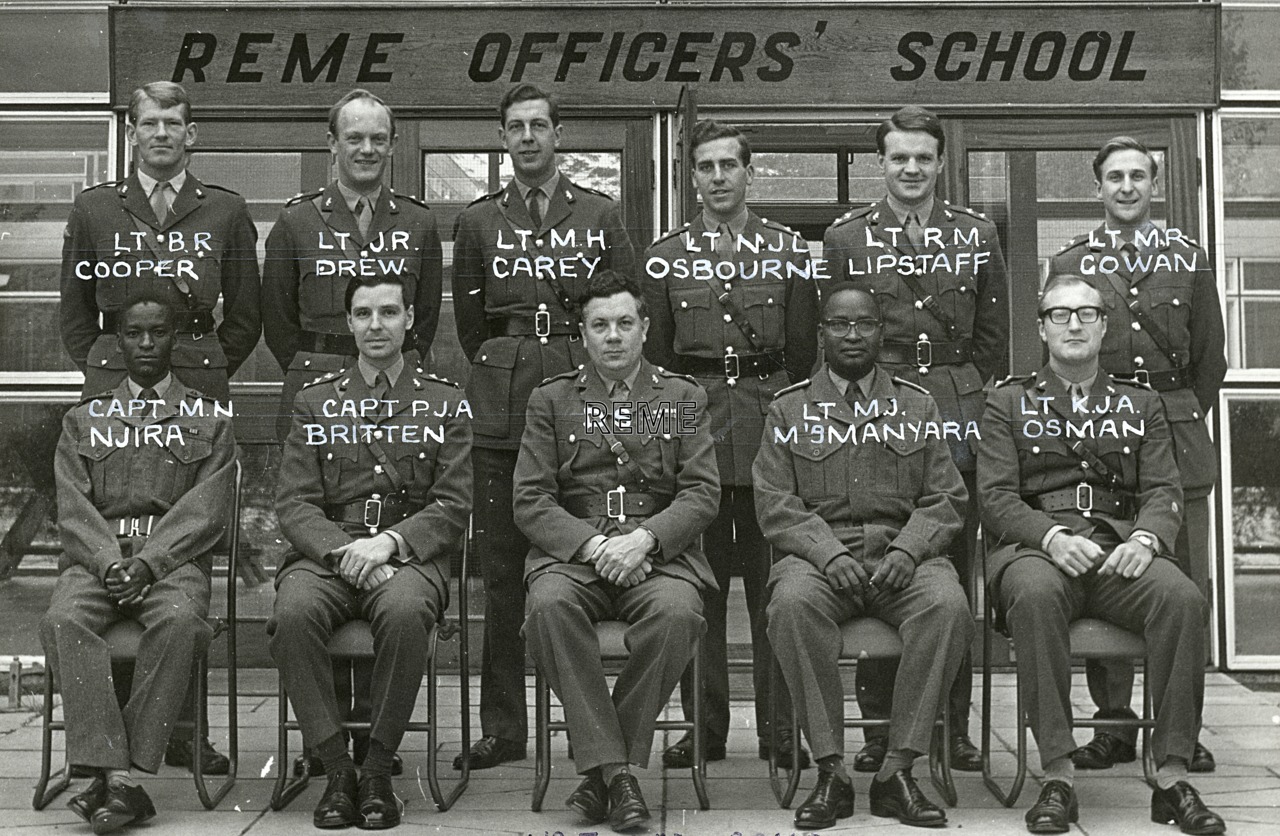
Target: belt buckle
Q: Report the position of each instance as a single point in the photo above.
(196, 336)
(1142, 376)
(609, 498)
(732, 368)
(1084, 497)
(542, 323)
(924, 352)
(373, 513)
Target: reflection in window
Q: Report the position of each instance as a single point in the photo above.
(1251, 188)
(794, 176)
(1254, 516)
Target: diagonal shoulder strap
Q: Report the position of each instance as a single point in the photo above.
(179, 281)
(1149, 324)
(1085, 454)
(930, 302)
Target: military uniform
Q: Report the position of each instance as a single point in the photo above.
(115, 248)
(568, 488)
(502, 312)
(313, 251)
(949, 336)
(742, 348)
(831, 481)
(155, 485)
(1031, 479)
(405, 469)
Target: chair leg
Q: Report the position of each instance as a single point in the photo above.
(783, 794)
(1148, 719)
(286, 789)
(699, 744)
(542, 740)
(200, 731)
(442, 801)
(1007, 798)
(45, 791)
(939, 760)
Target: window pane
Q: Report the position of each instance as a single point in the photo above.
(800, 177)
(1251, 158)
(455, 177)
(1251, 188)
(1250, 49)
(1261, 337)
(866, 180)
(1254, 426)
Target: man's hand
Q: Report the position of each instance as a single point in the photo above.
(894, 571)
(358, 558)
(1072, 554)
(378, 576)
(637, 576)
(592, 549)
(620, 556)
(1129, 560)
(129, 581)
(847, 577)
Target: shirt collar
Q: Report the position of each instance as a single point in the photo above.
(736, 224)
(369, 372)
(547, 187)
(149, 183)
(1125, 236)
(1086, 386)
(629, 379)
(161, 388)
(864, 382)
(352, 197)
(900, 211)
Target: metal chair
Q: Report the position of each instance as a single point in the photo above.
(862, 638)
(122, 638)
(354, 640)
(613, 648)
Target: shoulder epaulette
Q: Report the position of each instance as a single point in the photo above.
(102, 185)
(910, 385)
(414, 200)
(852, 214)
(301, 196)
(965, 210)
(445, 381)
(327, 377)
(482, 198)
(200, 395)
(1075, 242)
(569, 375)
(99, 396)
(1015, 378)
(668, 373)
(671, 234)
(221, 188)
(778, 225)
(795, 387)
(596, 192)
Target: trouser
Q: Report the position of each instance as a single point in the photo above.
(1162, 605)
(100, 733)
(734, 538)
(805, 615)
(665, 619)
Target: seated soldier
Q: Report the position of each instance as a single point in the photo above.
(857, 492)
(375, 489)
(1085, 527)
(145, 474)
(613, 506)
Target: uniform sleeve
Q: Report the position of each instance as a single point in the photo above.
(659, 345)
(786, 523)
(1208, 337)
(936, 519)
(300, 493)
(435, 531)
(86, 537)
(282, 327)
(468, 285)
(241, 290)
(78, 310)
(834, 254)
(426, 305)
(1005, 514)
(1159, 498)
(991, 314)
(697, 498)
(197, 521)
(802, 324)
(621, 255)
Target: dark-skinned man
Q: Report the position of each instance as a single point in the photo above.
(521, 258)
(938, 273)
(613, 507)
(374, 494)
(857, 492)
(145, 475)
(1081, 502)
(733, 301)
(1166, 331)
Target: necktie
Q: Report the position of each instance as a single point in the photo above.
(364, 216)
(853, 395)
(1077, 394)
(148, 394)
(535, 210)
(915, 232)
(381, 386)
(621, 391)
(724, 244)
(160, 200)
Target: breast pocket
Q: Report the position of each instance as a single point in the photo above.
(489, 389)
(820, 472)
(180, 466)
(335, 461)
(905, 457)
(97, 451)
(763, 307)
(1170, 307)
(695, 327)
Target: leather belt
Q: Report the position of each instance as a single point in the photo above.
(1162, 381)
(731, 366)
(617, 504)
(134, 526)
(196, 324)
(376, 513)
(539, 325)
(925, 353)
(1086, 497)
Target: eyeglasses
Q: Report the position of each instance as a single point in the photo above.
(1087, 315)
(842, 327)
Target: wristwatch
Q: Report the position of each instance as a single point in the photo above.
(1145, 539)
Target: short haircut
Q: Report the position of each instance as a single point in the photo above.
(709, 130)
(527, 93)
(146, 297)
(608, 283)
(1067, 280)
(164, 93)
(358, 93)
(1121, 143)
(358, 282)
(830, 293)
(912, 118)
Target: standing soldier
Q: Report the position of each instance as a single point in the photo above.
(734, 305)
(938, 273)
(164, 232)
(1165, 331)
(521, 256)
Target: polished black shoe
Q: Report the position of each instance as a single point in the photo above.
(1055, 809)
(591, 799)
(1103, 752)
(784, 750)
(679, 755)
(901, 798)
(87, 803)
(337, 807)
(964, 756)
(1202, 760)
(180, 752)
(123, 805)
(489, 751)
(830, 800)
(1181, 805)
(627, 809)
(379, 806)
(871, 756)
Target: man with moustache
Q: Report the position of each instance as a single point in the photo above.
(138, 523)
(861, 528)
(613, 515)
(1166, 331)
(939, 275)
(518, 324)
(1084, 528)
(372, 514)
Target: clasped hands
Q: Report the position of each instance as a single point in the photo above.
(363, 563)
(893, 573)
(622, 560)
(128, 581)
(1076, 555)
